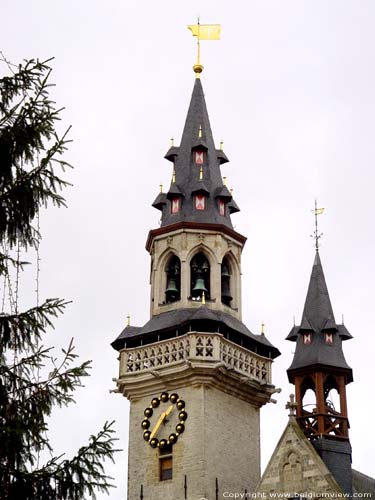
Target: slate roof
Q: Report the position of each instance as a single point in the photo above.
(200, 319)
(363, 483)
(187, 173)
(318, 319)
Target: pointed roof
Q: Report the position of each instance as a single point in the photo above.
(318, 309)
(310, 473)
(318, 319)
(192, 178)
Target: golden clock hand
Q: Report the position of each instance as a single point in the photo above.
(168, 411)
(157, 425)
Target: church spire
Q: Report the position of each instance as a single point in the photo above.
(197, 193)
(318, 336)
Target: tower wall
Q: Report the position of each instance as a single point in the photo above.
(221, 440)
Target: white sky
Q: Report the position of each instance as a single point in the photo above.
(290, 90)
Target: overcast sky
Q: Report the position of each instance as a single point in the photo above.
(290, 90)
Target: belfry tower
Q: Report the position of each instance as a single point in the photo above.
(319, 365)
(194, 374)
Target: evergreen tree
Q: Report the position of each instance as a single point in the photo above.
(32, 381)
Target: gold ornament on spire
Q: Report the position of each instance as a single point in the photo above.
(224, 181)
(200, 131)
(174, 177)
(221, 145)
(161, 187)
(172, 142)
(201, 173)
(262, 330)
(203, 32)
(128, 319)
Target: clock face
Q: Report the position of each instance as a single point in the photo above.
(164, 420)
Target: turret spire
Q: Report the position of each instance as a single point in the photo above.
(318, 328)
(198, 193)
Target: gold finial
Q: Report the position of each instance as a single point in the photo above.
(203, 298)
(262, 328)
(201, 173)
(203, 32)
(317, 211)
(231, 191)
(200, 131)
(128, 319)
(174, 177)
(224, 181)
(172, 142)
(221, 145)
(161, 187)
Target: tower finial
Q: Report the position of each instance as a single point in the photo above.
(161, 187)
(172, 142)
(262, 330)
(203, 32)
(317, 211)
(174, 176)
(128, 320)
(201, 173)
(291, 406)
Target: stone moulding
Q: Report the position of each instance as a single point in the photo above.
(195, 357)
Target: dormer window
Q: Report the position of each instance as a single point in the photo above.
(200, 202)
(175, 205)
(307, 338)
(199, 157)
(329, 338)
(221, 207)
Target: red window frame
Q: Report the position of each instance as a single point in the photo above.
(307, 338)
(199, 157)
(329, 338)
(175, 205)
(222, 207)
(200, 202)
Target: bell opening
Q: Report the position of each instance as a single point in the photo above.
(173, 287)
(226, 297)
(200, 277)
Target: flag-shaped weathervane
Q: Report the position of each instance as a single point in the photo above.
(203, 32)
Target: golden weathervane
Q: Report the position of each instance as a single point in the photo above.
(203, 32)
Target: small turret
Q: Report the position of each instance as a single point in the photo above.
(319, 366)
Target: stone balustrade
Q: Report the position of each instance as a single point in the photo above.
(196, 347)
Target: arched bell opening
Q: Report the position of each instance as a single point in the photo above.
(226, 296)
(331, 395)
(199, 277)
(173, 281)
(308, 394)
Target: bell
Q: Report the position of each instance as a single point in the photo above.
(199, 288)
(171, 291)
(225, 272)
(225, 292)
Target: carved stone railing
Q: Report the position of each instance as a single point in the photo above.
(195, 346)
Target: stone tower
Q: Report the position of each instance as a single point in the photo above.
(319, 366)
(195, 376)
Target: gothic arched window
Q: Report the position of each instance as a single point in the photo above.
(226, 297)
(173, 272)
(200, 277)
